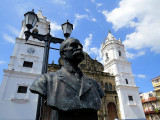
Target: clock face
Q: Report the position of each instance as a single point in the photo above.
(31, 50)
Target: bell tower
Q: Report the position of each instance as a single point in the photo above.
(115, 62)
(16, 101)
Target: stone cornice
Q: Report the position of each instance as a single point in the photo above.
(111, 42)
(30, 42)
(19, 74)
(126, 74)
(115, 61)
(30, 56)
(126, 87)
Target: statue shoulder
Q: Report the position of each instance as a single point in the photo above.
(53, 74)
(98, 87)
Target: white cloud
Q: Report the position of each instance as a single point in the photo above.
(9, 38)
(14, 30)
(78, 16)
(83, 16)
(141, 76)
(93, 19)
(92, 50)
(87, 43)
(95, 50)
(134, 55)
(98, 53)
(144, 17)
(87, 10)
(55, 27)
(99, 4)
(2, 62)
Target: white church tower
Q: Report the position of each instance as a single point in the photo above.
(115, 63)
(16, 101)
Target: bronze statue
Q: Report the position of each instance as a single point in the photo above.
(69, 91)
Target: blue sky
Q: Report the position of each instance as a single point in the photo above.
(136, 22)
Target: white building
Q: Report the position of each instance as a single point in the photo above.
(16, 101)
(115, 63)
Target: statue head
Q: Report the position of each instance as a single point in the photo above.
(72, 50)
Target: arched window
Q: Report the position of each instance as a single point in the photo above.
(112, 111)
(126, 81)
(106, 87)
(119, 52)
(107, 55)
(110, 86)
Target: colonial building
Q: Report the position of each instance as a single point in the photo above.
(156, 83)
(115, 63)
(94, 69)
(16, 101)
(151, 101)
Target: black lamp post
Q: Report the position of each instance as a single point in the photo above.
(67, 29)
(30, 20)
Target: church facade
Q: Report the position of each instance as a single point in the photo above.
(18, 103)
(115, 63)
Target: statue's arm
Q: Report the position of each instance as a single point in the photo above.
(39, 86)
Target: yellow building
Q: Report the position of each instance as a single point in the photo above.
(151, 101)
(156, 83)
